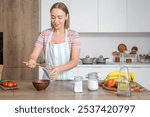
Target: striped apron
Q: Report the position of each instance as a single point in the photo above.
(59, 54)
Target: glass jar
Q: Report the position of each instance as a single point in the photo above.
(92, 84)
(78, 84)
(128, 59)
(92, 81)
(117, 59)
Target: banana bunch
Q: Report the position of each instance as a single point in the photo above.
(116, 75)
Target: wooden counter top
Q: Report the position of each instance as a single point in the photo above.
(63, 90)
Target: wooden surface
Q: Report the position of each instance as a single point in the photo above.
(21, 28)
(63, 90)
(1, 9)
(23, 73)
(1, 71)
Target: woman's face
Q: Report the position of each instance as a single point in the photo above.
(58, 18)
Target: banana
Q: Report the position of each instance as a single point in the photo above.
(121, 74)
(132, 76)
(116, 73)
(112, 77)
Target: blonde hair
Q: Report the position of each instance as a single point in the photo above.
(64, 8)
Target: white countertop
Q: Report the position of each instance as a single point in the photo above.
(109, 64)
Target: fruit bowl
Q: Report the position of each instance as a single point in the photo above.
(109, 88)
(40, 84)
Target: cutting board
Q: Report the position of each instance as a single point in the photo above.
(9, 88)
(135, 87)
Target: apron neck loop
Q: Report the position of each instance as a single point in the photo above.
(51, 34)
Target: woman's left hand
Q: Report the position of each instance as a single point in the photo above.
(54, 73)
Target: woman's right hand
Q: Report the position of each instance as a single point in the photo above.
(31, 63)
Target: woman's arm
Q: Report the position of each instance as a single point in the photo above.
(71, 64)
(33, 57)
(73, 61)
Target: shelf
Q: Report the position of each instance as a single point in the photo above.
(114, 65)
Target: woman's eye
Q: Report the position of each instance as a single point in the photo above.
(52, 18)
(59, 17)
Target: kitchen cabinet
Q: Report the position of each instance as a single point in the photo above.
(83, 71)
(103, 15)
(81, 19)
(141, 71)
(98, 16)
(102, 71)
(94, 16)
(20, 31)
(1, 10)
(84, 15)
(138, 18)
(124, 16)
(112, 16)
(45, 12)
(142, 76)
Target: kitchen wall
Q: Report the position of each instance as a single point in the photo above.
(95, 44)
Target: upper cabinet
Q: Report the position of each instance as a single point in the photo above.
(84, 15)
(103, 15)
(45, 12)
(138, 16)
(112, 15)
(98, 15)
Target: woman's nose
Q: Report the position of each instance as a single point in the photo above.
(56, 20)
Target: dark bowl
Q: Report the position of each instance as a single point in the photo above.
(40, 84)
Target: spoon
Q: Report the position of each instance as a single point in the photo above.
(42, 65)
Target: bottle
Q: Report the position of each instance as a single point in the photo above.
(78, 84)
(123, 87)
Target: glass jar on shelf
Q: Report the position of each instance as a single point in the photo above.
(128, 58)
(116, 56)
(142, 58)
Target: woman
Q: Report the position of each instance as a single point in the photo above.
(61, 45)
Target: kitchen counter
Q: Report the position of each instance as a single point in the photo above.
(63, 90)
(114, 65)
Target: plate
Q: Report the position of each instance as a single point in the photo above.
(108, 88)
(122, 47)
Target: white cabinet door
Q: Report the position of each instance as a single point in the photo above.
(102, 72)
(84, 15)
(142, 76)
(112, 16)
(138, 19)
(45, 12)
(102, 15)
